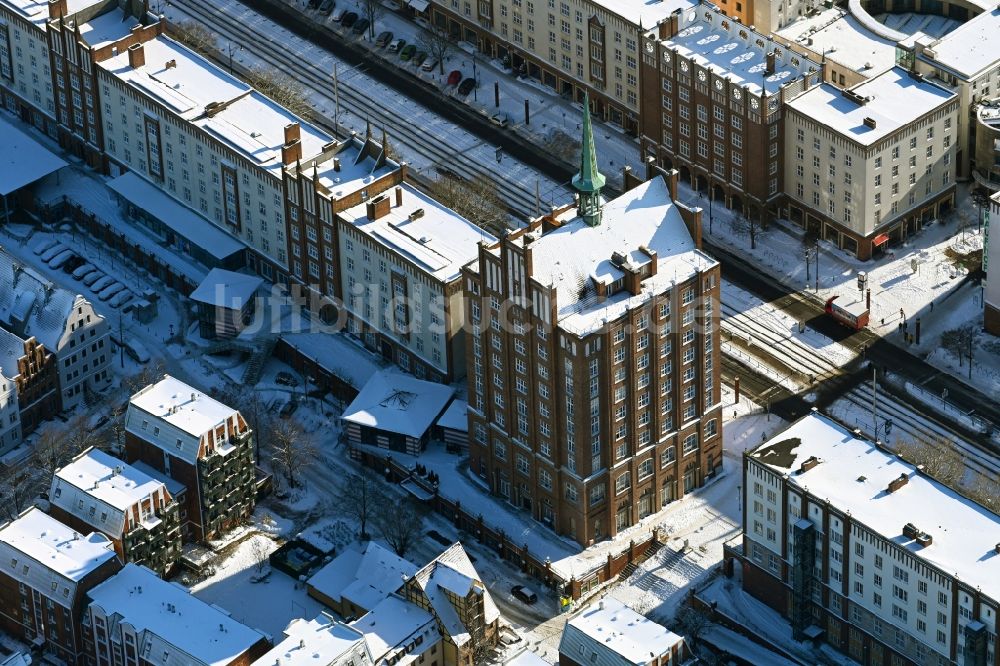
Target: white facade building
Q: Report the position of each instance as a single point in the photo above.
(873, 163)
(11, 349)
(991, 258)
(850, 542)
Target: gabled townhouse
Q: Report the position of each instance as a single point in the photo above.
(322, 641)
(136, 617)
(610, 633)
(29, 387)
(46, 569)
(207, 446)
(359, 578)
(64, 323)
(136, 512)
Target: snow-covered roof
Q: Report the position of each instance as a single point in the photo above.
(568, 256)
(99, 489)
(435, 238)
(226, 289)
(11, 349)
(896, 100)
(22, 159)
(394, 623)
(173, 627)
(184, 82)
(453, 571)
(843, 39)
(456, 417)
(853, 475)
(399, 403)
(108, 27)
(37, 11)
(644, 12)
(365, 576)
(706, 37)
(184, 221)
(322, 641)
(612, 634)
(337, 354)
(971, 48)
(526, 658)
(349, 169)
(50, 557)
(174, 416)
(174, 487)
(32, 306)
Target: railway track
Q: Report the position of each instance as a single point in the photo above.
(452, 152)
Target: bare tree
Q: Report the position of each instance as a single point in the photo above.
(292, 450)
(52, 451)
(79, 435)
(745, 225)
(985, 490)
(194, 35)
(19, 485)
(437, 43)
(149, 374)
(962, 342)
(940, 459)
(691, 622)
(373, 11)
(117, 425)
(476, 200)
(258, 550)
(285, 91)
(360, 497)
(400, 523)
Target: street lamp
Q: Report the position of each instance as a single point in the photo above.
(475, 77)
(229, 47)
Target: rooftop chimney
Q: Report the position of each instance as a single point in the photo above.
(170, 64)
(291, 153)
(897, 483)
(769, 68)
(57, 8)
(377, 207)
(808, 464)
(869, 122)
(136, 56)
(336, 164)
(292, 133)
(399, 196)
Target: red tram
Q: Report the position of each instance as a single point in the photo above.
(852, 315)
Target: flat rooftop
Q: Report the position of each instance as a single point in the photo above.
(108, 27)
(568, 256)
(853, 475)
(436, 238)
(645, 12)
(180, 621)
(717, 43)
(844, 40)
(971, 48)
(356, 169)
(53, 545)
(250, 124)
(896, 99)
(22, 159)
(182, 406)
(107, 479)
(313, 642)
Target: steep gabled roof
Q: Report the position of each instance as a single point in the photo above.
(365, 575)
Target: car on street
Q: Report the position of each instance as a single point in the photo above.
(326, 7)
(418, 58)
(338, 15)
(361, 26)
(524, 594)
(53, 251)
(74, 263)
(383, 38)
(83, 271)
(396, 44)
(137, 351)
(60, 259)
(110, 290)
(454, 78)
(45, 245)
(407, 52)
(466, 86)
(349, 19)
(120, 298)
(102, 284)
(429, 64)
(89, 280)
(285, 379)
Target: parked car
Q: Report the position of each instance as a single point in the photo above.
(89, 280)
(407, 52)
(338, 15)
(326, 7)
(83, 271)
(102, 284)
(74, 263)
(349, 19)
(429, 64)
(137, 351)
(60, 259)
(121, 298)
(285, 379)
(454, 78)
(110, 290)
(524, 594)
(383, 38)
(45, 245)
(53, 251)
(361, 26)
(418, 58)
(396, 45)
(466, 86)
(288, 408)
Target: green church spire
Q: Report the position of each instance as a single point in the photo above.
(589, 181)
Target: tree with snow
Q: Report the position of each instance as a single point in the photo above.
(399, 522)
(292, 450)
(361, 497)
(19, 486)
(962, 342)
(476, 200)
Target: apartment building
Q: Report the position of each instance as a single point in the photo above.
(136, 512)
(62, 322)
(718, 118)
(865, 551)
(47, 569)
(593, 389)
(205, 445)
(966, 60)
(322, 641)
(135, 617)
(986, 161)
(873, 164)
(991, 257)
(29, 386)
(577, 47)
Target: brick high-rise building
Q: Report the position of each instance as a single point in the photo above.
(593, 391)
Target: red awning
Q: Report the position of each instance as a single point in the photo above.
(881, 239)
